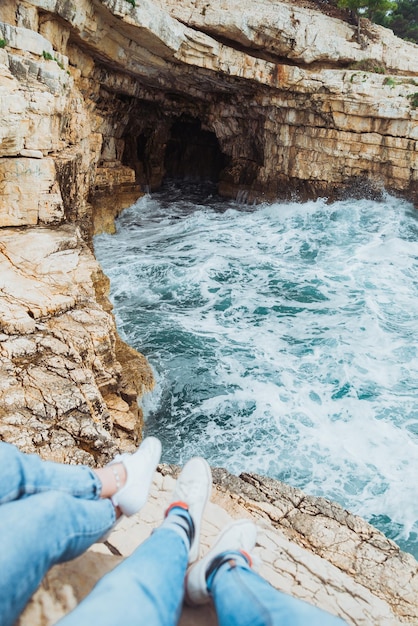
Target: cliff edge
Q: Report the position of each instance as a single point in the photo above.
(306, 546)
(101, 100)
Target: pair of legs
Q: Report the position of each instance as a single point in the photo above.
(51, 513)
(148, 588)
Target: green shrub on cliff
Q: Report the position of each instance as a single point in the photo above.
(414, 100)
(366, 8)
(48, 57)
(402, 19)
(3, 43)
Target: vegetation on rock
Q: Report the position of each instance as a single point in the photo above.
(401, 16)
(366, 8)
(414, 100)
(403, 19)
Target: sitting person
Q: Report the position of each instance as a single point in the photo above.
(53, 512)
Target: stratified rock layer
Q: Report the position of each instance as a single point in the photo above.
(119, 95)
(101, 100)
(65, 383)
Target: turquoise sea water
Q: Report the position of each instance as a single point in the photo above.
(283, 340)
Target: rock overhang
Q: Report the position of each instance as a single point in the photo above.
(178, 58)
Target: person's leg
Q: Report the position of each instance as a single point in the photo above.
(147, 588)
(241, 597)
(26, 474)
(42, 529)
(126, 479)
(39, 531)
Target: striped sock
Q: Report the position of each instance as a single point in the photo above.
(178, 518)
(232, 559)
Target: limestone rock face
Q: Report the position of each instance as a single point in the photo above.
(101, 100)
(294, 532)
(289, 31)
(63, 390)
(17, 201)
(294, 103)
(66, 384)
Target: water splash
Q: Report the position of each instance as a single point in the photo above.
(282, 340)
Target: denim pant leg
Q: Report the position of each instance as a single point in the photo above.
(25, 474)
(37, 532)
(242, 598)
(145, 590)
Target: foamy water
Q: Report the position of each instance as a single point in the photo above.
(283, 341)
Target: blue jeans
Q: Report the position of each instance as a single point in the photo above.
(242, 598)
(147, 590)
(49, 513)
(52, 513)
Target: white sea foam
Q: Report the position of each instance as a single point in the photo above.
(283, 341)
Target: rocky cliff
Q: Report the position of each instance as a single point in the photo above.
(280, 99)
(99, 101)
(68, 385)
(102, 99)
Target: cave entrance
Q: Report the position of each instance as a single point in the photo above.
(192, 153)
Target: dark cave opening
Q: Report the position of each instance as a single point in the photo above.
(192, 153)
(160, 146)
(141, 147)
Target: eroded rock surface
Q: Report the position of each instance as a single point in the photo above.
(117, 96)
(65, 385)
(99, 101)
(329, 531)
(287, 555)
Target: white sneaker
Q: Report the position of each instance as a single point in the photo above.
(193, 487)
(140, 468)
(239, 535)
